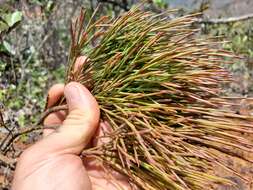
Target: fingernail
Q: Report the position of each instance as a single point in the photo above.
(74, 95)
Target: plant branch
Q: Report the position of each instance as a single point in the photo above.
(6, 161)
(225, 20)
(35, 127)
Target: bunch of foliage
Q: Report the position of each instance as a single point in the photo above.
(159, 88)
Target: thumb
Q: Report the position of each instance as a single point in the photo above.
(78, 127)
(83, 118)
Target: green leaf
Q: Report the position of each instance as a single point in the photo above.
(3, 26)
(21, 120)
(6, 47)
(13, 18)
(160, 3)
(49, 6)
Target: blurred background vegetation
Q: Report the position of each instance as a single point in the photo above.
(34, 41)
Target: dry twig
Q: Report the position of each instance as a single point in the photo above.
(225, 20)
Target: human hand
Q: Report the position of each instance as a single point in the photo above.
(54, 162)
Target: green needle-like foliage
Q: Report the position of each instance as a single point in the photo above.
(158, 87)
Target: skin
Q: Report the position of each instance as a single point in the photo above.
(53, 162)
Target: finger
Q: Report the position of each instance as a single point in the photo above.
(83, 115)
(79, 62)
(100, 139)
(54, 119)
(54, 94)
(47, 132)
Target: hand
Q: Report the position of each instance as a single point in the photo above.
(53, 162)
